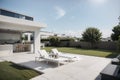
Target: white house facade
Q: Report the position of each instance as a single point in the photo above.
(12, 24)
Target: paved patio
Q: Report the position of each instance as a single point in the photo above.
(87, 68)
(28, 60)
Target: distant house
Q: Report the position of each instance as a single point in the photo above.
(12, 26)
(46, 34)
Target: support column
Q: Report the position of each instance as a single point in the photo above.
(29, 39)
(36, 41)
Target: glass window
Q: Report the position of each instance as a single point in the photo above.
(21, 16)
(16, 15)
(26, 37)
(29, 18)
(31, 37)
(6, 13)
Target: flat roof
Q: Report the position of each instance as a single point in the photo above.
(19, 24)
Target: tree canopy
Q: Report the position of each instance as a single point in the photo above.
(116, 33)
(91, 35)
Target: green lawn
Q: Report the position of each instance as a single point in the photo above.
(10, 71)
(91, 52)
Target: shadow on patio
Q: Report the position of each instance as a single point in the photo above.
(40, 66)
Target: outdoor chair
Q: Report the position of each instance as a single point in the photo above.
(60, 54)
(44, 55)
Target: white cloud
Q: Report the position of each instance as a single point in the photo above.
(60, 12)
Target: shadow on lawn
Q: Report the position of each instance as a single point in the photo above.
(113, 55)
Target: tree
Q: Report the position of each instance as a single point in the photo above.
(92, 35)
(116, 33)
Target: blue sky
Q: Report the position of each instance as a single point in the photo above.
(69, 17)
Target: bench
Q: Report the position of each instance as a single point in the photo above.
(111, 72)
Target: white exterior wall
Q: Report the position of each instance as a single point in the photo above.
(19, 24)
(27, 23)
(9, 36)
(36, 41)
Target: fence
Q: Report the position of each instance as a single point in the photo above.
(87, 45)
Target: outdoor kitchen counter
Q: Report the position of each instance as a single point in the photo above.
(6, 49)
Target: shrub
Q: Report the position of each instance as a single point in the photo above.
(55, 41)
(43, 40)
(67, 39)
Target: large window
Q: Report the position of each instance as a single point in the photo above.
(29, 18)
(6, 13)
(16, 15)
(26, 37)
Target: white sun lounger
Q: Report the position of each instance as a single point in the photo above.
(60, 54)
(44, 55)
(54, 51)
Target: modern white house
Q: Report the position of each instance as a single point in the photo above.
(12, 25)
(46, 34)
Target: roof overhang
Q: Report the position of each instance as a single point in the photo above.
(19, 24)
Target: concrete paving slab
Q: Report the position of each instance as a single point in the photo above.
(28, 60)
(87, 68)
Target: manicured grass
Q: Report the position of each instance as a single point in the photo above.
(10, 71)
(91, 52)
